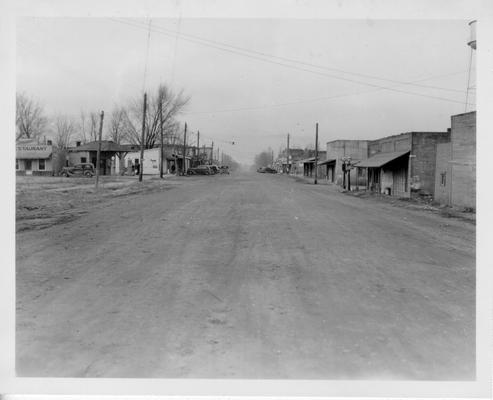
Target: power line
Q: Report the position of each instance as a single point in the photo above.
(299, 101)
(237, 50)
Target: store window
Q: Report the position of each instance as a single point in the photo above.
(41, 165)
(16, 163)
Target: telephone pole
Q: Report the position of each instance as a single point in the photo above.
(212, 152)
(316, 152)
(184, 165)
(141, 166)
(288, 166)
(198, 146)
(162, 139)
(98, 156)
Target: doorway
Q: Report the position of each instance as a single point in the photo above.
(28, 164)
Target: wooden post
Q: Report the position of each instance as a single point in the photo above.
(98, 156)
(141, 166)
(161, 163)
(349, 180)
(288, 166)
(198, 147)
(316, 153)
(184, 164)
(344, 174)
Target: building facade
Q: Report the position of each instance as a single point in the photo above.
(404, 165)
(110, 156)
(337, 151)
(33, 158)
(455, 176)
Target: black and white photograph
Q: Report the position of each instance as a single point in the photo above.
(246, 198)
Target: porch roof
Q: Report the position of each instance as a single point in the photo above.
(380, 159)
(326, 162)
(106, 145)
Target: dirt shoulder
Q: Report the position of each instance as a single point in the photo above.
(42, 202)
(418, 204)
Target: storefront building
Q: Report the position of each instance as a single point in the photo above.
(32, 158)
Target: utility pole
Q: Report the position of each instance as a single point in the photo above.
(288, 166)
(184, 165)
(212, 152)
(316, 152)
(98, 156)
(162, 139)
(198, 145)
(344, 174)
(174, 152)
(141, 166)
(348, 168)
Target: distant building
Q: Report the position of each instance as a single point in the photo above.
(172, 159)
(455, 175)
(403, 165)
(110, 153)
(309, 164)
(337, 150)
(33, 158)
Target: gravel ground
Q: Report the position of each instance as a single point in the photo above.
(247, 276)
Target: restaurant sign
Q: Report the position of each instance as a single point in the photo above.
(33, 151)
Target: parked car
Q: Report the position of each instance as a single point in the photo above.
(200, 170)
(261, 170)
(82, 169)
(224, 169)
(270, 170)
(214, 168)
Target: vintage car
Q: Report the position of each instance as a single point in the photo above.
(82, 169)
(200, 170)
(214, 169)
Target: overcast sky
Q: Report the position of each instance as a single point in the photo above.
(289, 74)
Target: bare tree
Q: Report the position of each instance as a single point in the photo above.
(172, 105)
(82, 135)
(30, 121)
(93, 126)
(263, 159)
(88, 126)
(117, 125)
(65, 129)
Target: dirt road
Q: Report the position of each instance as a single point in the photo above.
(249, 276)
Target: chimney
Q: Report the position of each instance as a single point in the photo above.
(77, 144)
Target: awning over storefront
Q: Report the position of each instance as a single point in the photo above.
(33, 151)
(379, 160)
(326, 162)
(310, 161)
(106, 145)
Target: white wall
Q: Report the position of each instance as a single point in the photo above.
(151, 161)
